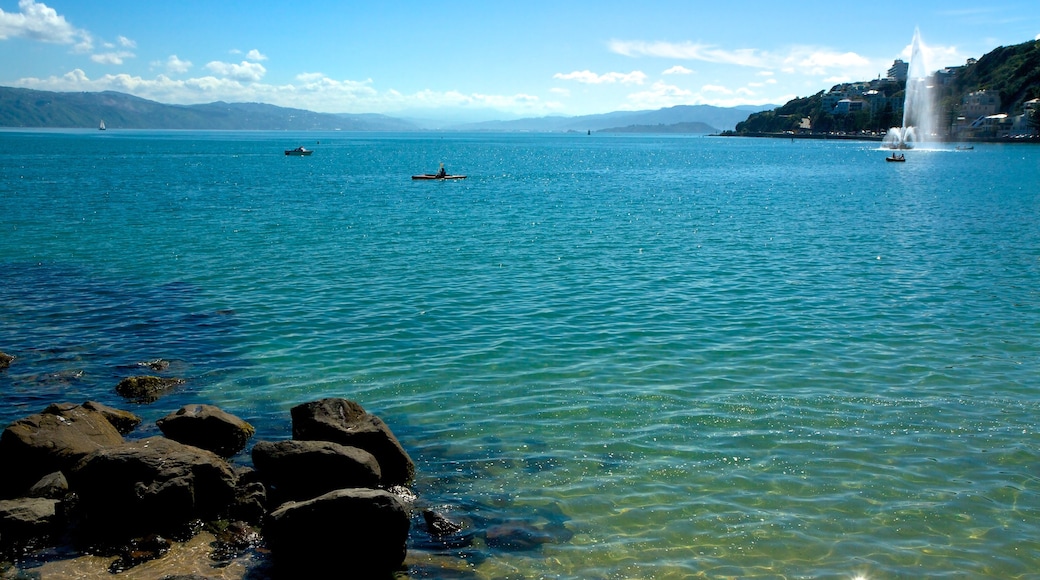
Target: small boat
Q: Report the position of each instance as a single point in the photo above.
(893, 158)
(298, 151)
(442, 174)
(437, 176)
(101, 127)
(965, 147)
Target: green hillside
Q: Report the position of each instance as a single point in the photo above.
(1012, 71)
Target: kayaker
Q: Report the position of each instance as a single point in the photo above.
(442, 172)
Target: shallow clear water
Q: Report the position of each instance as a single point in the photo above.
(670, 355)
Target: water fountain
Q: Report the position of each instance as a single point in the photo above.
(918, 110)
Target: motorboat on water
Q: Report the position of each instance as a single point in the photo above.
(893, 158)
(300, 151)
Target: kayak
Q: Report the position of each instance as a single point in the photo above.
(437, 177)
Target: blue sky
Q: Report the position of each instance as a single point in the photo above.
(486, 59)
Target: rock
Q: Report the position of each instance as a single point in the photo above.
(516, 536)
(438, 525)
(445, 533)
(207, 427)
(50, 486)
(123, 421)
(146, 389)
(54, 440)
(158, 365)
(5, 360)
(347, 423)
(250, 503)
(25, 519)
(234, 540)
(139, 551)
(300, 470)
(348, 533)
(152, 485)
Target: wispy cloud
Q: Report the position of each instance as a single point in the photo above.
(689, 51)
(116, 57)
(801, 59)
(255, 55)
(678, 70)
(591, 78)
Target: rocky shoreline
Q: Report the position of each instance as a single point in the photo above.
(334, 498)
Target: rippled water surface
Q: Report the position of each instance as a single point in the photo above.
(658, 357)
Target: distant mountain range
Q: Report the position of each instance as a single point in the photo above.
(44, 109)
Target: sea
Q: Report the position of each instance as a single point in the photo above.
(610, 356)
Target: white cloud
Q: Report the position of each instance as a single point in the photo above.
(678, 70)
(244, 71)
(126, 42)
(174, 65)
(37, 21)
(111, 57)
(255, 55)
(591, 78)
(560, 91)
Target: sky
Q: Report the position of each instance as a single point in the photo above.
(488, 59)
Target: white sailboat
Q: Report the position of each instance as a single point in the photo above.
(101, 127)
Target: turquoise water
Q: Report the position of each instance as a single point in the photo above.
(671, 356)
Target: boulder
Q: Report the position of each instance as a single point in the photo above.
(347, 423)
(146, 389)
(348, 533)
(152, 485)
(300, 470)
(123, 421)
(207, 427)
(26, 519)
(53, 440)
(5, 360)
(51, 486)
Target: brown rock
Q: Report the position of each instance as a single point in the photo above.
(348, 533)
(347, 423)
(53, 440)
(146, 389)
(208, 427)
(153, 485)
(301, 470)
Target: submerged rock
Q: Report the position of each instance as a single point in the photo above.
(147, 388)
(5, 360)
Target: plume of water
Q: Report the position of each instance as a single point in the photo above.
(918, 105)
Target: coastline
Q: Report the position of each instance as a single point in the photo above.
(1031, 139)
